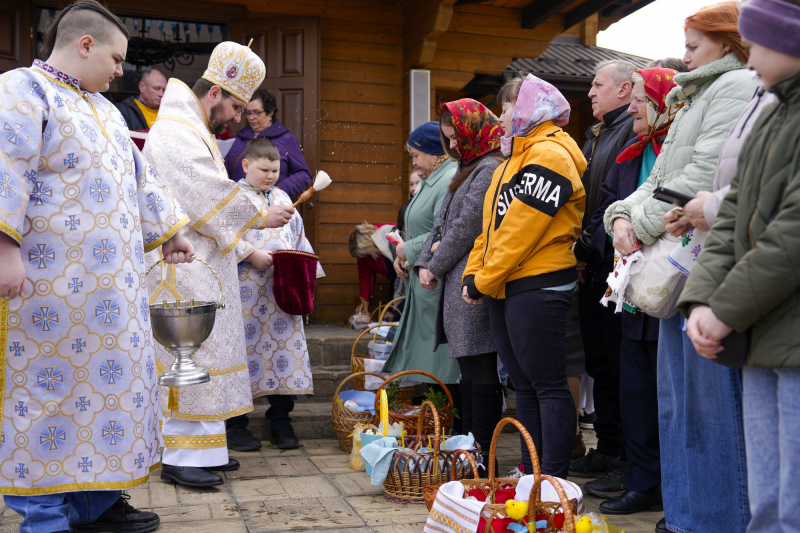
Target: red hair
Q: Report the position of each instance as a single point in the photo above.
(720, 23)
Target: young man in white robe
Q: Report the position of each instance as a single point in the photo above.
(182, 149)
(79, 208)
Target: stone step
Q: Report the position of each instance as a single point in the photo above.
(330, 345)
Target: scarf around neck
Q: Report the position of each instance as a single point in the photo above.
(537, 102)
(477, 129)
(658, 82)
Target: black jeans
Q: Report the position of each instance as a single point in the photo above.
(601, 330)
(530, 333)
(639, 405)
(280, 405)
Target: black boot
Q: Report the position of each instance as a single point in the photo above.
(487, 410)
(120, 518)
(284, 437)
(190, 476)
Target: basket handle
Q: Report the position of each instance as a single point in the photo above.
(380, 318)
(384, 309)
(528, 440)
(535, 499)
(407, 372)
(351, 376)
(219, 302)
(355, 344)
(455, 464)
(436, 435)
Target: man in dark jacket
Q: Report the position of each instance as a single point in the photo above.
(600, 328)
(141, 111)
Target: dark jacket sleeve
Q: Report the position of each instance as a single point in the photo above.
(608, 195)
(299, 178)
(133, 117)
(461, 232)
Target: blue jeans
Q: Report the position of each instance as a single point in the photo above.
(703, 461)
(54, 512)
(772, 430)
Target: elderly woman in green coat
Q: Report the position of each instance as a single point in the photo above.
(413, 344)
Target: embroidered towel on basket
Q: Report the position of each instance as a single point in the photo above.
(451, 512)
(685, 253)
(624, 268)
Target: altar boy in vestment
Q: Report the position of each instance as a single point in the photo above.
(182, 149)
(278, 360)
(79, 208)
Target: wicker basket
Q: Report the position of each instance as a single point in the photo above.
(344, 419)
(357, 360)
(491, 485)
(411, 471)
(445, 415)
(404, 396)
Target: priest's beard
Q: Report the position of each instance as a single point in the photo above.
(215, 120)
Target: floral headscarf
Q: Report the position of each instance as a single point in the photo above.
(658, 82)
(537, 102)
(477, 129)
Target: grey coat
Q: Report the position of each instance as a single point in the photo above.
(464, 327)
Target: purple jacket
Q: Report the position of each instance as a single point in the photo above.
(295, 176)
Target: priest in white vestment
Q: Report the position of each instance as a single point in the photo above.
(182, 149)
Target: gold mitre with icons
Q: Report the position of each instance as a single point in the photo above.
(235, 68)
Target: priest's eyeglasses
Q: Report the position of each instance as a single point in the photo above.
(237, 109)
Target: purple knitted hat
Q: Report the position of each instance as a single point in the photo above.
(774, 24)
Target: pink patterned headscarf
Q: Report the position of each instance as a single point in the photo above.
(537, 102)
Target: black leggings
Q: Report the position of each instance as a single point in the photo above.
(479, 369)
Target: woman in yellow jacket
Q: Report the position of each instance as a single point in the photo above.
(523, 262)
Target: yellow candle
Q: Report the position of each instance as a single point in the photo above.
(385, 412)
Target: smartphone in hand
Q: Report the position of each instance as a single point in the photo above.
(671, 197)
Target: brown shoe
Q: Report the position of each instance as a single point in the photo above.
(578, 447)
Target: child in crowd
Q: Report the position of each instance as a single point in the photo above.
(276, 345)
(745, 280)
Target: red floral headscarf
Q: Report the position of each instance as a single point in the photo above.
(658, 82)
(478, 130)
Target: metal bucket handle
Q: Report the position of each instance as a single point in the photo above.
(220, 305)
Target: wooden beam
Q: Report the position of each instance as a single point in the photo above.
(619, 5)
(584, 11)
(422, 28)
(541, 10)
(468, 2)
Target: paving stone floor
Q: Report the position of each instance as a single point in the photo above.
(307, 489)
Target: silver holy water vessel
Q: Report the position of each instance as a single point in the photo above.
(181, 327)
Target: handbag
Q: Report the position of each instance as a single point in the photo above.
(656, 287)
(294, 280)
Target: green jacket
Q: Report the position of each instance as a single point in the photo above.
(749, 270)
(413, 344)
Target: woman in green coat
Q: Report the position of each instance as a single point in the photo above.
(413, 344)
